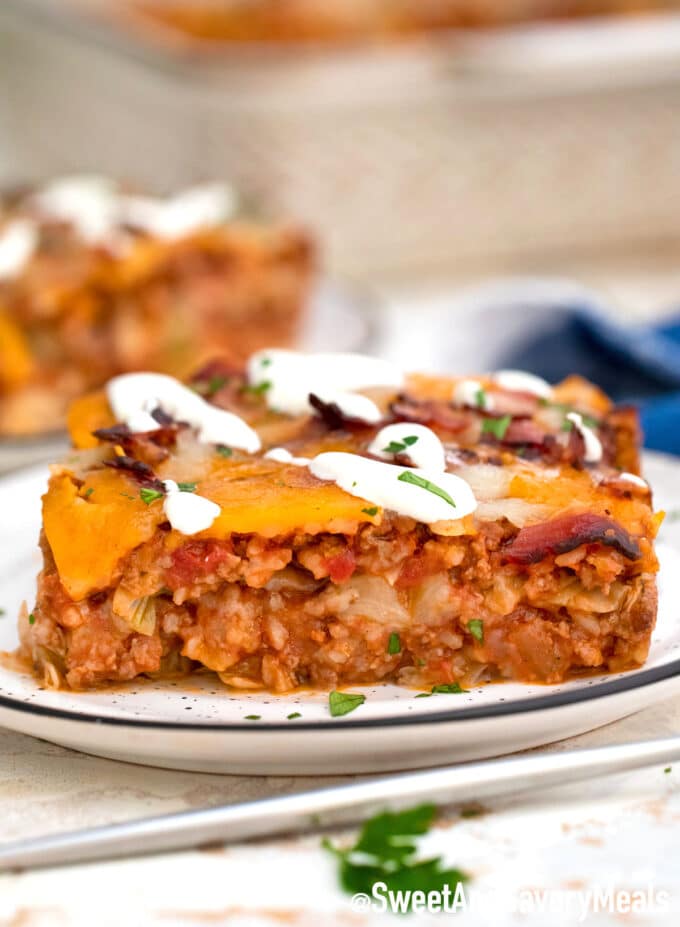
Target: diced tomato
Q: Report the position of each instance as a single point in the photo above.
(195, 560)
(415, 569)
(341, 566)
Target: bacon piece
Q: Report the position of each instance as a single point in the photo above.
(334, 417)
(148, 446)
(116, 434)
(566, 532)
(524, 431)
(431, 412)
(138, 470)
(506, 402)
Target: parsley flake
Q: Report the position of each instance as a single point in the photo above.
(223, 450)
(409, 477)
(373, 510)
(3, 612)
(668, 769)
(88, 492)
(444, 688)
(341, 703)
(211, 386)
(398, 447)
(496, 426)
(266, 362)
(476, 628)
(149, 495)
(257, 389)
(216, 383)
(394, 643)
(448, 688)
(386, 851)
(187, 487)
(293, 715)
(252, 717)
(480, 398)
(31, 618)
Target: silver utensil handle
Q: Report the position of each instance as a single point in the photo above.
(330, 807)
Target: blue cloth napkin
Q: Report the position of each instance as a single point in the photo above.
(632, 363)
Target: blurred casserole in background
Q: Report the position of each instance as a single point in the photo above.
(95, 281)
(314, 20)
(453, 150)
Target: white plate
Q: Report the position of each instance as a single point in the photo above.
(200, 726)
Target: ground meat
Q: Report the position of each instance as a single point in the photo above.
(320, 610)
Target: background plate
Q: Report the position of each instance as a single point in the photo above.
(198, 725)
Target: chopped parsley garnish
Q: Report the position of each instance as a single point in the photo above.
(293, 715)
(31, 618)
(187, 487)
(408, 477)
(373, 510)
(476, 628)
(394, 643)
(668, 769)
(149, 495)
(341, 703)
(444, 688)
(252, 717)
(386, 851)
(258, 389)
(398, 447)
(2, 612)
(480, 398)
(126, 495)
(448, 688)
(88, 492)
(211, 386)
(496, 426)
(266, 362)
(224, 451)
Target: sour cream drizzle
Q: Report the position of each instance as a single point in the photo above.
(188, 512)
(282, 455)
(98, 210)
(18, 241)
(133, 395)
(352, 405)
(425, 451)
(518, 381)
(380, 484)
(471, 393)
(290, 376)
(188, 211)
(634, 479)
(86, 201)
(593, 445)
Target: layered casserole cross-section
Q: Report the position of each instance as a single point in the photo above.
(326, 520)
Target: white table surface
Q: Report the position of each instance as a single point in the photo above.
(621, 833)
